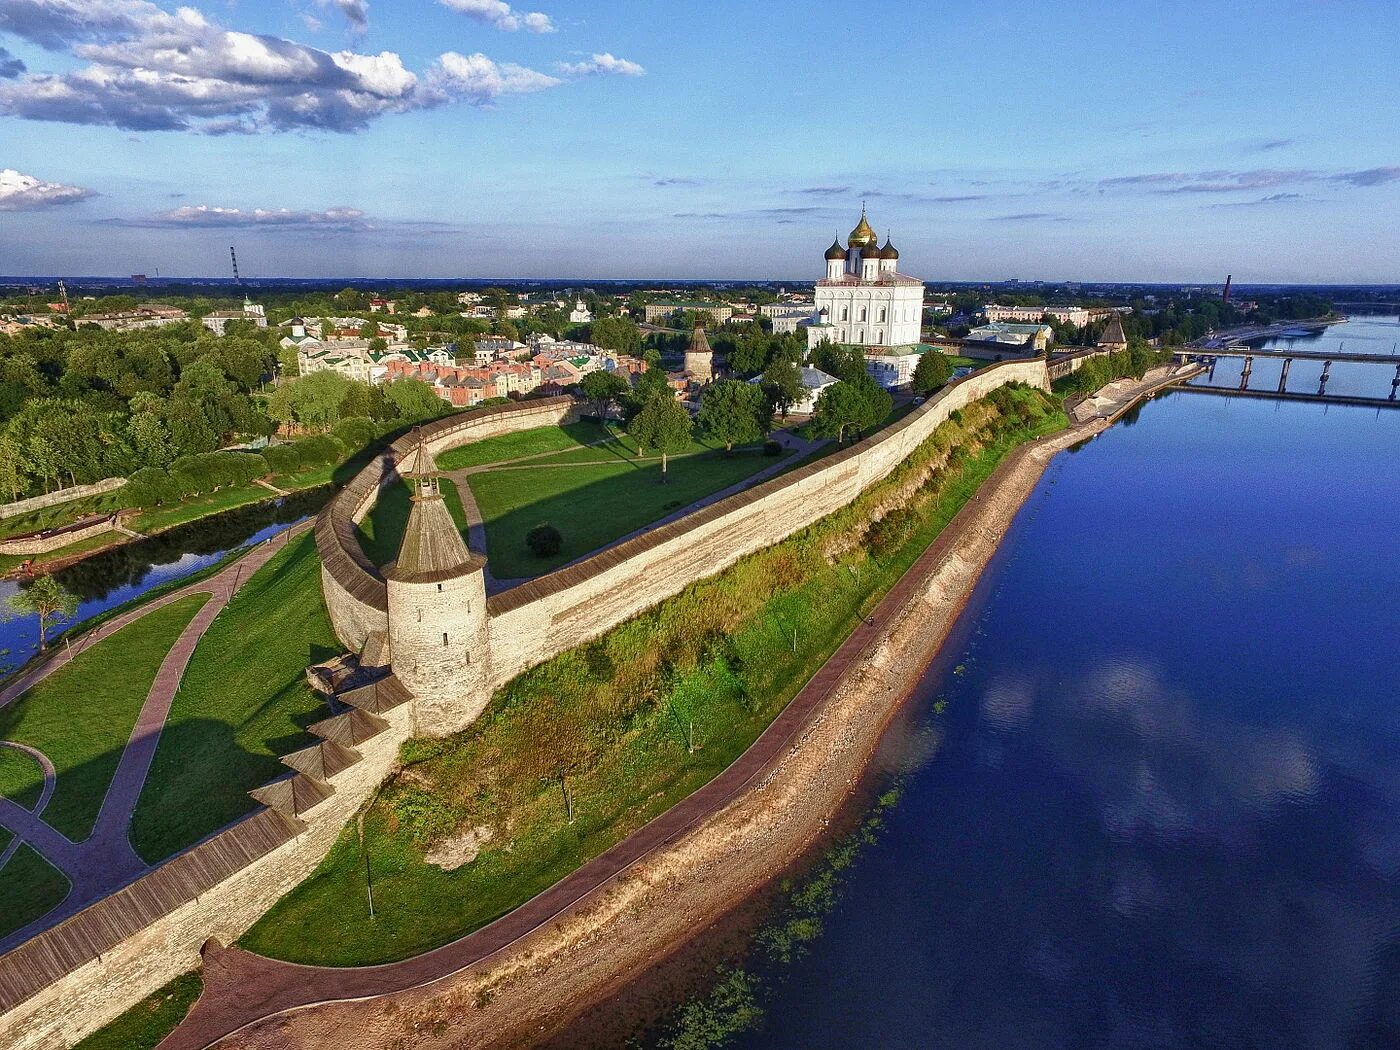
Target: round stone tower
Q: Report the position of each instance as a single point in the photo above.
(699, 358)
(437, 609)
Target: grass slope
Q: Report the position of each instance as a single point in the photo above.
(592, 504)
(82, 714)
(149, 1021)
(632, 723)
(243, 702)
(21, 779)
(29, 887)
(525, 443)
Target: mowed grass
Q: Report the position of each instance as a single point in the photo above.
(29, 888)
(21, 778)
(61, 514)
(82, 715)
(623, 449)
(243, 703)
(631, 723)
(381, 533)
(525, 443)
(592, 504)
(148, 1022)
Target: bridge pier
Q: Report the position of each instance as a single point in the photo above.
(1326, 374)
(1283, 379)
(1244, 376)
(1395, 383)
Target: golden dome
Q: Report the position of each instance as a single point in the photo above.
(863, 236)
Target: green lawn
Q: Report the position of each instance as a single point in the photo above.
(81, 715)
(381, 533)
(9, 562)
(243, 702)
(61, 514)
(525, 443)
(622, 449)
(593, 504)
(149, 1021)
(29, 887)
(158, 518)
(634, 722)
(21, 778)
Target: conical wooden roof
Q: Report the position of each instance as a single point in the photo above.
(1113, 333)
(419, 462)
(699, 342)
(432, 549)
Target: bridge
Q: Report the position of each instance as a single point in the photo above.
(1287, 357)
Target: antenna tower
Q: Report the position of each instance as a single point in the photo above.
(63, 293)
(234, 256)
(1226, 297)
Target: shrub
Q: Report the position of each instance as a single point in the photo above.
(151, 487)
(772, 448)
(320, 450)
(283, 459)
(890, 532)
(544, 541)
(355, 433)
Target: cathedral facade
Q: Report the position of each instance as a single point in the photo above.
(864, 299)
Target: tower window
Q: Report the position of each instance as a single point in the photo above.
(439, 588)
(444, 639)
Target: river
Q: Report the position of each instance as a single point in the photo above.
(1161, 805)
(124, 573)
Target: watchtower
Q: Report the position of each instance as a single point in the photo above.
(437, 607)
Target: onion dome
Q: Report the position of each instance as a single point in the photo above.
(863, 236)
(835, 252)
(889, 251)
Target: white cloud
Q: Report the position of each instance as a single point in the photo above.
(356, 12)
(501, 15)
(481, 80)
(602, 65)
(19, 192)
(204, 216)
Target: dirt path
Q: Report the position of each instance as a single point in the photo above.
(675, 873)
(106, 861)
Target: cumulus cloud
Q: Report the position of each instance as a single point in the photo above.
(602, 65)
(150, 70)
(20, 192)
(204, 216)
(356, 12)
(501, 15)
(10, 67)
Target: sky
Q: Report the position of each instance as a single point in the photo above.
(1133, 140)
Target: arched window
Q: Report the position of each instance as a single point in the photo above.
(444, 639)
(860, 336)
(862, 313)
(882, 315)
(845, 313)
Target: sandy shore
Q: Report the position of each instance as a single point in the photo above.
(534, 988)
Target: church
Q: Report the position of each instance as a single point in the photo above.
(864, 299)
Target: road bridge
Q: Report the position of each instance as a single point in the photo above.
(1291, 395)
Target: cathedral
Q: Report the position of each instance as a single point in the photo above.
(864, 299)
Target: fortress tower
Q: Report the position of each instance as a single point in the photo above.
(437, 606)
(699, 358)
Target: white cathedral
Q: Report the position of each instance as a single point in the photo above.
(864, 299)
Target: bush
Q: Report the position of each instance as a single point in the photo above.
(151, 487)
(890, 532)
(544, 541)
(356, 432)
(320, 450)
(283, 459)
(772, 448)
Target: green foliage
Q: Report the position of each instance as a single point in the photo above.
(782, 384)
(851, 405)
(931, 374)
(663, 425)
(616, 333)
(730, 1009)
(45, 598)
(734, 413)
(846, 363)
(544, 541)
(605, 389)
(144, 1025)
(1098, 371)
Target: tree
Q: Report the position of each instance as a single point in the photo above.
(604, 389)
(46, 599)
(843, 362)
(414, 399)
(544, 541)
(850, 405)
(931, 373)
(734, 413)
(782, 384)
(616, 333)
(662, 424)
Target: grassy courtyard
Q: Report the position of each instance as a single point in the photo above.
(526, 443)
(381, 533)
(593, 503)
(243, 703)
(629, 724)
(82, 714)
(29, 887)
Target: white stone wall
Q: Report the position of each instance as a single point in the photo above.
(873, 314)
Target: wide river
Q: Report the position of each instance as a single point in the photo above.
(1161, 807)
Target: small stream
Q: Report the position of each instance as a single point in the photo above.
(121, 574)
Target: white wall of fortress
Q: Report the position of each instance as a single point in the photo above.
(527, 626)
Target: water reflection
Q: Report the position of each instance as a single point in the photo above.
(114, 577)
(1166, 809)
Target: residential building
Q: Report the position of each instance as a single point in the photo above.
(132, 320)
(864, 300)
(814, 381)
(1078, 316)
(718, 313)
(219, 320)
(1029, 338)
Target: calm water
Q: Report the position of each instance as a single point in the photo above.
(1378, 335)
(1163, 808)
(115, 577)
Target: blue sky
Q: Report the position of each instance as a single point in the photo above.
(471, 138)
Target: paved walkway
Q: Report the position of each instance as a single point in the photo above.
(241, 988)
(45, 793)
(105, 861)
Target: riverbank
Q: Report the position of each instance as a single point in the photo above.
(710, 852)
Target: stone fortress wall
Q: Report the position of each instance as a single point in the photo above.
(72, 979)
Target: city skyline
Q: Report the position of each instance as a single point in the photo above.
(474, 139)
